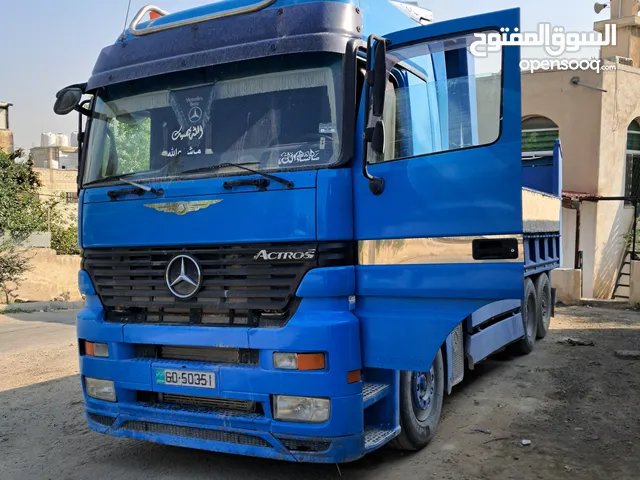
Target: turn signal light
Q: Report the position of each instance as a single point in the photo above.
(96, 349)
(299, 361)
(354, 376)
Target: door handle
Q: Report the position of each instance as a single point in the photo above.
(495, 249)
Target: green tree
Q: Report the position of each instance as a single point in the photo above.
(133, 142)
(21, 213)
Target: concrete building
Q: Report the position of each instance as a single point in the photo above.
(60, 184)
(597, 118)
(6, 136)
(65, 158)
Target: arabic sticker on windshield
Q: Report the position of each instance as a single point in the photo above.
(299, 157)
(327, 128)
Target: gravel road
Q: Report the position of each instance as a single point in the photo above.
(578, 405)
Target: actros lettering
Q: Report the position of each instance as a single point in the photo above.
(264, 255)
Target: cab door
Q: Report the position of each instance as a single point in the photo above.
(440, 229)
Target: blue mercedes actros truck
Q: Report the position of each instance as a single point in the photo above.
(301, 222)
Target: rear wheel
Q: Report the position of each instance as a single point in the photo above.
(543, 292)
(529, 308)
(421, 395)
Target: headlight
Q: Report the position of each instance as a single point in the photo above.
(301, 409)
(100, 389)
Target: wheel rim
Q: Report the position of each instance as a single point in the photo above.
(424, 388)
(544, 302)
(531, 317)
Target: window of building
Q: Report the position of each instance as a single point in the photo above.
(72, 197)
(632, 187)
(539, 134)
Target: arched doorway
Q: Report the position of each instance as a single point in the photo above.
(539, 134)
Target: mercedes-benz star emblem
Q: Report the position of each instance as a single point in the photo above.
(183, 276)
(195, 114)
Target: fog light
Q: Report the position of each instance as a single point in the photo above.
(100, 389)
(96, 349)
(301, 409)
(299, 361)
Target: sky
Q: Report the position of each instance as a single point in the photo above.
(46, 45)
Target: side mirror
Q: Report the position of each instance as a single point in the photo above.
(67, 100)
(378, 137)
(379, 77)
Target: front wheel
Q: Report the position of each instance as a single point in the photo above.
(421, 395)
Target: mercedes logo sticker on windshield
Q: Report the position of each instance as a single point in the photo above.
(183, 276)
(195, 114)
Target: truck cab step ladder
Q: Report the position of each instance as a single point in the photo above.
(376, 437)
(373, 392)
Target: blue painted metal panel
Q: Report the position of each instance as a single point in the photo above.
(334, 199)
(480, 281)
(407, 311)
(320, 325)
(544, 174)
(85, 285)
(298, 28)
(492, 310)
(484, 343)
(275, 215)
(542, 253)
(328, 282)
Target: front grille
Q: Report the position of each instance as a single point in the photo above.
(237, 289)
(101, 419)
(192, 432)
(234, 356)
(212, 403)
(309, 446)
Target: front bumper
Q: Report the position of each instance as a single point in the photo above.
(319, 325)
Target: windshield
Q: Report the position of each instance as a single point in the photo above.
(277, 115)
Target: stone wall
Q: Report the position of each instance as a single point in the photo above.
(52, 277)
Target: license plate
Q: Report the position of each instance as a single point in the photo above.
(185, 378)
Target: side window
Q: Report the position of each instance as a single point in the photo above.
(445, 99)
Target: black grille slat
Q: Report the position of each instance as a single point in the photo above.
(236, 285)
(194, 432)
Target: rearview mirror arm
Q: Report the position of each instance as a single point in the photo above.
(376, 184)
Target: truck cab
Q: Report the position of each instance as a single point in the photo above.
(300, 223)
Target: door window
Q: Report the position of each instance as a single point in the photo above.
(442, 99)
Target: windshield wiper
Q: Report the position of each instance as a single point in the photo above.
(138, 190)
(281, 180)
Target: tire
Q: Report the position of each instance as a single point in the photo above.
(524, 346)
(543, 292)
(419, 421)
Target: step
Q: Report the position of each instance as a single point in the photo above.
(375, 437)
(373, 392)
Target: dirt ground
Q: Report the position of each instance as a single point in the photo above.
(578, 405)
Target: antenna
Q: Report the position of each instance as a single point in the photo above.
(126, 19)
(598, 7)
